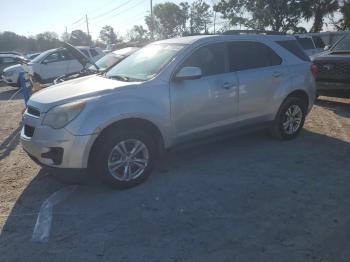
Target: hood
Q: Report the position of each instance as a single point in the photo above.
(329, 56)
(77, 89)
(17, 68)
(80, 56)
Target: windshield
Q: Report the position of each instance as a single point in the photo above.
(145, 63)
(106, 62)
(342, 45)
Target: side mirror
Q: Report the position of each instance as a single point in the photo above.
(327, 47)
(189, 73)
(44, 62)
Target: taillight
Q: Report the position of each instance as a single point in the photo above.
(314, 70)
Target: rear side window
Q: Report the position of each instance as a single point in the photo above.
(294, 47)
(93, 52)
(246, 55)
(210, 59)
(306, 43)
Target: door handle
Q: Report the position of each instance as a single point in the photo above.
(228, 85)
(277, 74)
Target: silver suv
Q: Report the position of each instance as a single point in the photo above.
(169, 92)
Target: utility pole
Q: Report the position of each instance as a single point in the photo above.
(87, 28)
(152, 23)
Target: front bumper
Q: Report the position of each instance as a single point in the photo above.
(55, 147)
(332, 86)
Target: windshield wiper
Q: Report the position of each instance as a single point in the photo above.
(120, 77)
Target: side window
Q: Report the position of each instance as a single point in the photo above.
(85, 52)
(54, 57)
(66, 55)
(246, 55)
(93, 52)
(210, 59)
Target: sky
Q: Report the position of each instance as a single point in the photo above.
(38, 16)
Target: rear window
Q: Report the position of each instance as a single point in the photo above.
(294, 47)
(306, 43)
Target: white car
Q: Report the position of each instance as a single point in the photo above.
(57, 62)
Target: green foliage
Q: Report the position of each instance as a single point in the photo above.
(200, 17)
(78, 37)
(277, 15)
(137, 33)
(107, 35)
(344, 22)
(10, 41)
(167, 20)
(318, 10)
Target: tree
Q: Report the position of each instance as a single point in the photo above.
(261, 14)
(65, 37)
(344, 22)
(317, 10)
(107, 35)
(200, 17)
(185, 16)
(78, 37)
(167, 20)
(137, 33)
(47, 40)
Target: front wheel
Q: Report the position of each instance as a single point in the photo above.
(125, 158)
(290, 119)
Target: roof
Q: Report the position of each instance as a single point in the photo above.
(199, 38)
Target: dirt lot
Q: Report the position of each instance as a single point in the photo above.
(247, 198)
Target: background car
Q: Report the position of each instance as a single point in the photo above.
(11, 73)
(333, 65)
(311, 44)
(103, 64)
(57, 62)
(7, 60)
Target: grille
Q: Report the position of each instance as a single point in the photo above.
(333, 71)
(33, 111)
(29, 130)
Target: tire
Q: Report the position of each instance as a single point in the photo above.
(108, 156)
(278, 129)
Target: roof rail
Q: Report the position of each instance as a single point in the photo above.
(262, 32)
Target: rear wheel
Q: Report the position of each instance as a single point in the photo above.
(124, 158)
(290, 119)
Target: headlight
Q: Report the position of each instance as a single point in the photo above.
(9, 73)
(60, 116)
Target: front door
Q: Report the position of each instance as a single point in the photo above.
(209, 103)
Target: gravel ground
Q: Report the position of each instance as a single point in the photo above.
(246, 198)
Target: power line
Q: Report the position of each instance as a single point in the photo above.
(78, 20)
(114, 15)
(112, 10)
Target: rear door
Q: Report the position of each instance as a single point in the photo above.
(207, 104)
(259, 75)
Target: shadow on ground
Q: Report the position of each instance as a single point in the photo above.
(338, 107)
(10, 93)
(10, 142)
(248, 198)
